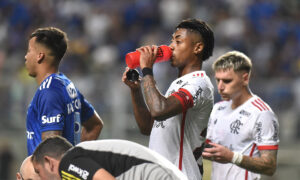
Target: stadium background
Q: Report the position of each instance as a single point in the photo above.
(101, 32)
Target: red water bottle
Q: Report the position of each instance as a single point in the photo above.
(164, 53)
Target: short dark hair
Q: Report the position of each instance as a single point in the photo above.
(54, 39)
(54, 146)
(205, 31)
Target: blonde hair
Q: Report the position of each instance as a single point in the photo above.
(235, 60)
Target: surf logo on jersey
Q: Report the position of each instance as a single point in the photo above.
(235, 126)
(81, 172)
(50, 120)
(30, 134)
(72, 91)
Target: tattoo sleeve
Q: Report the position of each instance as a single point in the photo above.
(265, 164)
(160, 107)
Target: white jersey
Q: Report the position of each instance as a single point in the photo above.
(251, 127)
(179, 137)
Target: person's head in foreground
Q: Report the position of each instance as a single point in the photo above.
(232, 74)
(27, 171)
(47, 156)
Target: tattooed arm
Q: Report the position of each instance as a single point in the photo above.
(160, 107)
(264, 164)
(141, 112)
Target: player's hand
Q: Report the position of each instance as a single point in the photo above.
(132, 84)
(148, 56)
(217, 153)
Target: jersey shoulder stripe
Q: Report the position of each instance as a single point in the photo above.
(259, 104)
(67, 176)
(46, 83)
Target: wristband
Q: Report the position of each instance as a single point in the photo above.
(237, 158)
(147, 71)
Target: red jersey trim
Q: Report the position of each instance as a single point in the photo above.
(251, 154)
(181, 140)
(207, 141)
(260, 105)
(268, 147)
(264, 104)
(185, 98)
(256, 106)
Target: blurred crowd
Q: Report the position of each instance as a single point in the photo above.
(101, 32)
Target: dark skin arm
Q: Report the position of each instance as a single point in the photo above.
(91, 128)
(264, 164)
(141, 112)
(158, 107)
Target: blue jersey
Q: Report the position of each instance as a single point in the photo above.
(56, 106)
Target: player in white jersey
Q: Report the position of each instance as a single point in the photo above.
(177, 122)
(242, 129)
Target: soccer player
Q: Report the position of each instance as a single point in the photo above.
(177, 121)
(27, 171)
(243, 129)
(57, 108)
(55, 158)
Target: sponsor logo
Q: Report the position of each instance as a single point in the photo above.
(158, 124)
(235, 126)
(179, 82)
(82, 173)
(258, 127)
(72, 91)
(74, 104)
(30, 134)
(50, 120)
(221, 108)
(276, 130)
(199, 91)
(245, 113)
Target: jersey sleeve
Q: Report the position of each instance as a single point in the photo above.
(78, 168)
(51, 111)
(267, 131)
(189, 94)
(87, 110)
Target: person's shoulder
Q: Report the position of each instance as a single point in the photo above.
(221, 105)
(259, 108)
(196, 75)
(51, 82)
(257, 105)
(198, 78)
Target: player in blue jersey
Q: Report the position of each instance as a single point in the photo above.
(57, 108)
